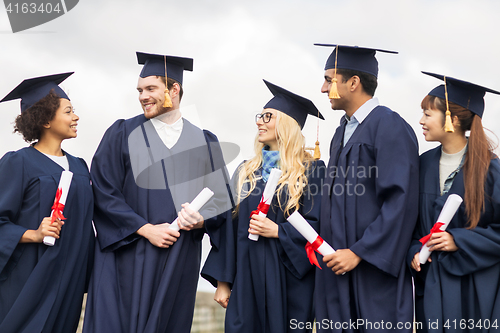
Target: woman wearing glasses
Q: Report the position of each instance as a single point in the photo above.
(457, 288)
(42, 287)
(267, 285)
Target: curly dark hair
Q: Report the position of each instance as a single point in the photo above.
(30, 122)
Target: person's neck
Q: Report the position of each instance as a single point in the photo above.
(170, 117)
(356, 103)
(49, 146)
(454, 143)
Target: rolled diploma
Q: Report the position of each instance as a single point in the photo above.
(449, 209)
(64, 184)
(305, 229)
(268, 194)
(198, 202)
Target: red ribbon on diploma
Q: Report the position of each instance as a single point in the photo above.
(310, 248)
(262, 207)
(435, 228)
(57, 207)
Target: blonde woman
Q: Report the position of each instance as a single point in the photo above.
(267, 285)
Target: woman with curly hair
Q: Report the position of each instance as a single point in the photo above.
(42, 287)
(267, 285)
(457, 288)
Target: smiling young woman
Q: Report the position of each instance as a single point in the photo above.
(462, 275)
(41, 287)
(267, 284)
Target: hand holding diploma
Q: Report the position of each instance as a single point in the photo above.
(449, 209)
(314, 241)
(59, 202)
(267, 198)
(193, 208)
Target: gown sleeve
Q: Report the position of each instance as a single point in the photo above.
(479, 248)
(218, 181)
(385, 241)
(12, 186)
(115, 221)
(221, 261)
(292, 243)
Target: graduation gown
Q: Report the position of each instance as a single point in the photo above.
(42, 287)
(138, 287)
(369, 206)
(461, 285)
(272, 279)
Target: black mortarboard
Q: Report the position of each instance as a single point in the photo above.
(293, 105)
(463, 93)
(353, 57)
(32, 90)
(154, 64)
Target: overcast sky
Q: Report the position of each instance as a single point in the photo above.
(236, 44)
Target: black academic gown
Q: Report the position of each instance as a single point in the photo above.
(369, 205)
(42, 287)
(272, 279)
(137, 287)
(462, 287)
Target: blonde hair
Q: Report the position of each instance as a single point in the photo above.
(294, 161)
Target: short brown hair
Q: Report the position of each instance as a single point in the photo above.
(171, 84)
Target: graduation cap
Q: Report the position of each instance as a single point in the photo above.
(164, 65)
(293, 105)
(463, 93)
(354, 58)
(32, 90)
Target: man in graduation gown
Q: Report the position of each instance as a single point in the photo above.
(145, 169)
(369, 204)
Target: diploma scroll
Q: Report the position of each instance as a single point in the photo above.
(198, 202)
(267, 197)
(59, 202)
(305, 229)
(449, 209)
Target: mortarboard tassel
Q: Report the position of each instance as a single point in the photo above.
(334, 92)
(317, 153)
(168, 101)
(448, 124)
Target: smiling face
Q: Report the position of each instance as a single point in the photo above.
(63, 125)
(432, 122)
(267, 131)
(151, 95)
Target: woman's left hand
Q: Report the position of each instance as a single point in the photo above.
(442, 241)
(263, 226)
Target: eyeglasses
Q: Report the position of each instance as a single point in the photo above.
(266, 117)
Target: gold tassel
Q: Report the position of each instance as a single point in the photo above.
(334, 93)
(448, 125)
(317, 153)
(168, 100)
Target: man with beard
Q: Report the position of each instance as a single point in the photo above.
(145, 171)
